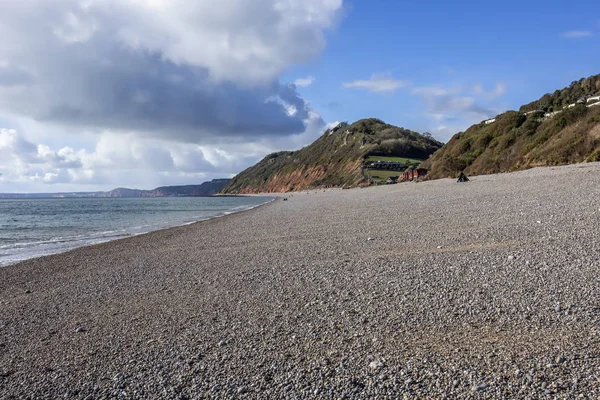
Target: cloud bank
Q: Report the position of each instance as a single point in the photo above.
(173, 68)
(115, 160)
(576, 34)
(171, 71)
(304, 82)
(378, 83)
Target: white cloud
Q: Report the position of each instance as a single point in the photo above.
(115, 159)
(451, 109)
(121, 92)
(188, 70)
(304, 82)
(11, 143)
(433, 91)
(235, 40)
(576, 34)
(498, 90)
(74, 29)
(378, 83)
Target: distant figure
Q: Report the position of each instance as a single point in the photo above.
(462, 177)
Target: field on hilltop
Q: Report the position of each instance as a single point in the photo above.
(337, 158)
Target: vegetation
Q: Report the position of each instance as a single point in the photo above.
(518, 141)
(379, 175)
(336, 158)
(370, 159)
(569, 95)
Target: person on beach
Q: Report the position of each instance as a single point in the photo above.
(462, 177)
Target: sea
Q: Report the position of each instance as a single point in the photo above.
(36, 227)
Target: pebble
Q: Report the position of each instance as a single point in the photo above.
(480, 387)
(375, 364)
(246, 278)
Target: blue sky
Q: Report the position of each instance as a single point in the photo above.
(95, 95)
(529, 47)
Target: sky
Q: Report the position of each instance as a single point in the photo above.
(98, 94)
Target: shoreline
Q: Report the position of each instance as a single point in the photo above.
(132, 235)
(429, 290)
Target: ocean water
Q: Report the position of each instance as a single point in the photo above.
(35, 227)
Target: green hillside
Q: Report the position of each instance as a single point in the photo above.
(559, 128)
(335, 159)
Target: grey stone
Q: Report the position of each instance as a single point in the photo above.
(480, 387)
(375, 364)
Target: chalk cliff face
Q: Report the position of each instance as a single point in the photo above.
(334, 159)
(559, 128)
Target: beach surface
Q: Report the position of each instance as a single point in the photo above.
(485, 289)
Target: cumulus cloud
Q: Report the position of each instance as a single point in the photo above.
(114, 160)
(450, 109)
(576, 34)
(24, 161)
(11, 76)
(498, 90)
(304, 82)
(125, 159)
(141, 93)
(193, 72)
(241, 40)
(378, 83)
(429, 92)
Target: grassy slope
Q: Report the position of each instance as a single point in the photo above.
(396, 159)
(381, 175)
(334, 159)
(516, 141)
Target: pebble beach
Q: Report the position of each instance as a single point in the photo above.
(485, 289)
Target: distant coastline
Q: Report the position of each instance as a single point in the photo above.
(57, 196)
(206, 189)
